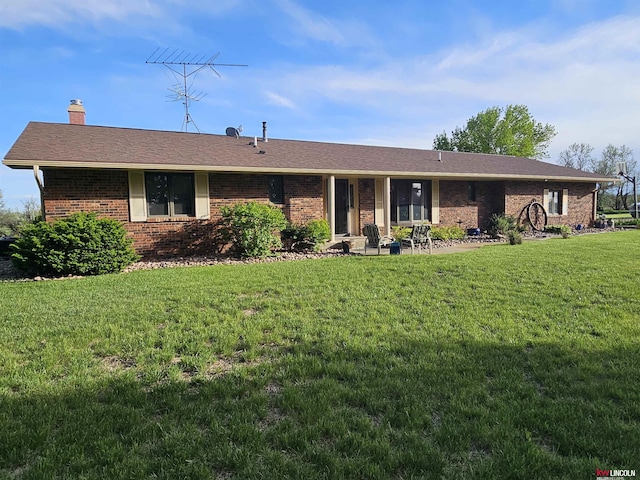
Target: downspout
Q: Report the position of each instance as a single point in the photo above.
(36, 172)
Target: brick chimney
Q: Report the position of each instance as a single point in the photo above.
(76, 112)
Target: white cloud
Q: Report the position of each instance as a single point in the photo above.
(584, 82)
(280, 101)
(18, 14)
(308, 24)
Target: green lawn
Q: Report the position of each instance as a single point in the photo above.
(619, 216)
(518, 362)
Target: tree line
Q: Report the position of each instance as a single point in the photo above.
(512, 130)
(580, 156)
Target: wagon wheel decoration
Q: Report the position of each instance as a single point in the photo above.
(537, 215)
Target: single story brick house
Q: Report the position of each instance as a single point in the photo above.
(167, 187)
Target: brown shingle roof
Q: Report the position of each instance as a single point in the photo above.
(87, 146)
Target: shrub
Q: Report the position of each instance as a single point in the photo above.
(305, 237)
(501, 224)
(399, 232)
(515, 237)
(251, 227)
(308, 236)
(81, 244)
(628, 221)
(291, 234)
(563, 230)
(317, 232)
(447, 233)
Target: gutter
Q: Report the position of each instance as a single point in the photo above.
(15, 163)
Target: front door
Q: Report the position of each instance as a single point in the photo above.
(342, 206)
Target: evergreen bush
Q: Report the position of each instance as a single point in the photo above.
(81, 244)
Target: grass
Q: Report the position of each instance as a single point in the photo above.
(505, 362)
(619, 216)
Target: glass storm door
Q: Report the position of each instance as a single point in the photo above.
(342, 206)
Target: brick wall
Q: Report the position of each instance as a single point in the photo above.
(303, 198)
(510, 198)
(366, 202)
(107, 193)
(456, 208)
(73, 190)
(580, 206)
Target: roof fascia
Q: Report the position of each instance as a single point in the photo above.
(23, 164)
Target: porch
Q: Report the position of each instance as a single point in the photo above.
(352, 202)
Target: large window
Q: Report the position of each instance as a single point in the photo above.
(410, 201)
(169, 194)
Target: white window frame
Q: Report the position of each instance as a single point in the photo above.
(563, 200)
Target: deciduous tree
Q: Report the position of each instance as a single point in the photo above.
(511, 130)
(608, 165)
(578, 155)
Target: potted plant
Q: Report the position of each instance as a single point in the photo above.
(398, 233)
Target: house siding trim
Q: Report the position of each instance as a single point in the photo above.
(298, 171)
(435, 202)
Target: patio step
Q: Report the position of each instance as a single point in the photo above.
(354, 243)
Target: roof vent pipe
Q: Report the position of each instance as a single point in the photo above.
(264, 132)
(255, 142)
(439, 156)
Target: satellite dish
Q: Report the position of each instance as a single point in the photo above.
(233, 132)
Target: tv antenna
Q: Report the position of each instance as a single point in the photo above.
(191, 64)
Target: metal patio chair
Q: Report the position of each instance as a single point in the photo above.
(420, 236)
(374, 238)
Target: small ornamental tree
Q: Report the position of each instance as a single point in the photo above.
(81, 244)
(253, 228)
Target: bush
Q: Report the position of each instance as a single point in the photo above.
(628, 221)
(251, 226)
(308, 236)
(81, 244)
(398, 232)
(501, 224)
(515, 237)
(447, 233)
(563, 230)
(317, 232)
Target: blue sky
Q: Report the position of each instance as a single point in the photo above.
(381, 73)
